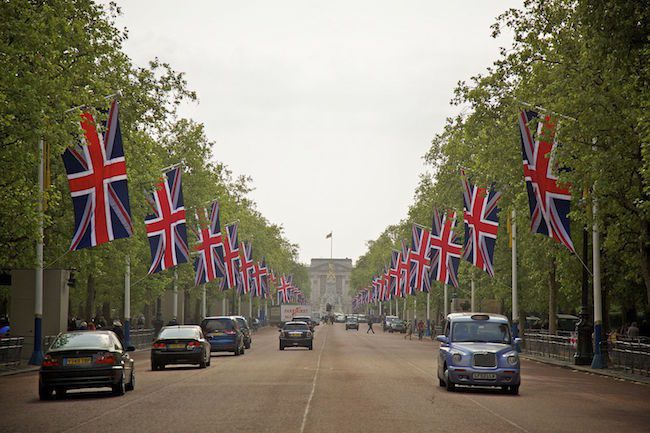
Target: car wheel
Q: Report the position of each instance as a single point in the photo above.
(511, 389)
(247, 345)
(441, 382)
(209, 359)
(311, 346)
(448, 383)
(44, 392)
(243, 350)
(60, 392)
(131, 385)
(281, 346)
(202, 363)
(119, 388)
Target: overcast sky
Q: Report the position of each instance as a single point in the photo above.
(328, 105)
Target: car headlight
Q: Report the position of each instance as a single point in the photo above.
(456, 357)
(512, 359)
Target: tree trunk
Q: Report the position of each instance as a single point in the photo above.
(644, 249)
(552, 299)
(90, 298)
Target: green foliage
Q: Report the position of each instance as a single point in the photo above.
(589, 61)
(57, 55)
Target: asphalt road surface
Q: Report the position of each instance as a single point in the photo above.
(351, 382)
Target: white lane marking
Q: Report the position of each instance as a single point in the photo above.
(313, 385)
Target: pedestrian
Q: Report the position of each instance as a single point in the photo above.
(370, 327)
(420, 329)
(91, 326)
(118, 330)
(633, 331)
(409, 330)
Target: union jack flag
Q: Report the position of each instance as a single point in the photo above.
(246, 267)
(385, 285)
(98, 185)
(549, 202)
(283, 290)
(377, 291)
(481, 216)
(420, 259)
(260, 273)
(403, 268)
(166, 226)
(230, 266)
(209, 246)
(445, 255)
(394, 274)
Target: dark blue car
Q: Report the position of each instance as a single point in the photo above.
(224, 334)
(477, 349)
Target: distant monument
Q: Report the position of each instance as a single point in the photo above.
(330, 284)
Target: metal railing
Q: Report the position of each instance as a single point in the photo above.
(632, 356)
(549, 346)
(10, 350)
(142, 338)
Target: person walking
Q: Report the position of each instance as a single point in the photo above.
(409, 330)
(420, 330)
(370, 326)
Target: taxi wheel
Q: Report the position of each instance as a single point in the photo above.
(60, 392)
(448, 383)
(203, 364)
(311, 347)
(209, 359)
(511, 389)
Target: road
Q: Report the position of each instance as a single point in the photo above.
(351, 382)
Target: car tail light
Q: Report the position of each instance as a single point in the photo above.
(193, 344)
(106, 359)
(159, 345)
(48, 361)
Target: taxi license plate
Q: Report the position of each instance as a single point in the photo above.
(484, 376)
(78, 361)
(177, 346)
(295, 334)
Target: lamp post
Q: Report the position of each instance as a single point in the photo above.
(584, 351)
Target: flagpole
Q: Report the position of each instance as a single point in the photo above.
(446, 301)
(175, 295)
(599, 360)
(331, 244)
(473, 285)
(250, 306)
(515, 298)
(204, 303)
(127, 302)
(428, 314)
(37, 354)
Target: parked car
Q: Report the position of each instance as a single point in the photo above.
(181, 344)
(397, 325)
(566, 324)
(307, 319)
(296, 334)
(477, 349)
(246, 330)
(387, 320)
(223, 334)
(362, 318)
(339, 318)
(351, 323)
(86, 359)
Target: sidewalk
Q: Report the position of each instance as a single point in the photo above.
(24, 367)
(615, 373)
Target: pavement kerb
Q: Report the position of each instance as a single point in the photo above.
(586, 369)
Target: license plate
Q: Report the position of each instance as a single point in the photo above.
(295, 334)
(484, 376)
(77, 361)
(177, 346)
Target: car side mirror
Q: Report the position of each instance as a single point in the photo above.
(279, 330)
(130, 349)
(517, 343)
(443, 339)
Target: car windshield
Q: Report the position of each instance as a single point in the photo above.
(480, 331)
(295, 326)
(242, 322)
(212, 325)
(397, 321)
(352, 319)
(179, 333)
(82, 340)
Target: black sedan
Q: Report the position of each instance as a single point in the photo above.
(181, 344)
(245, 329)
(296, 334)
(86, 359)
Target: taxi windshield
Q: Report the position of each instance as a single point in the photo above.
(480, 332)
